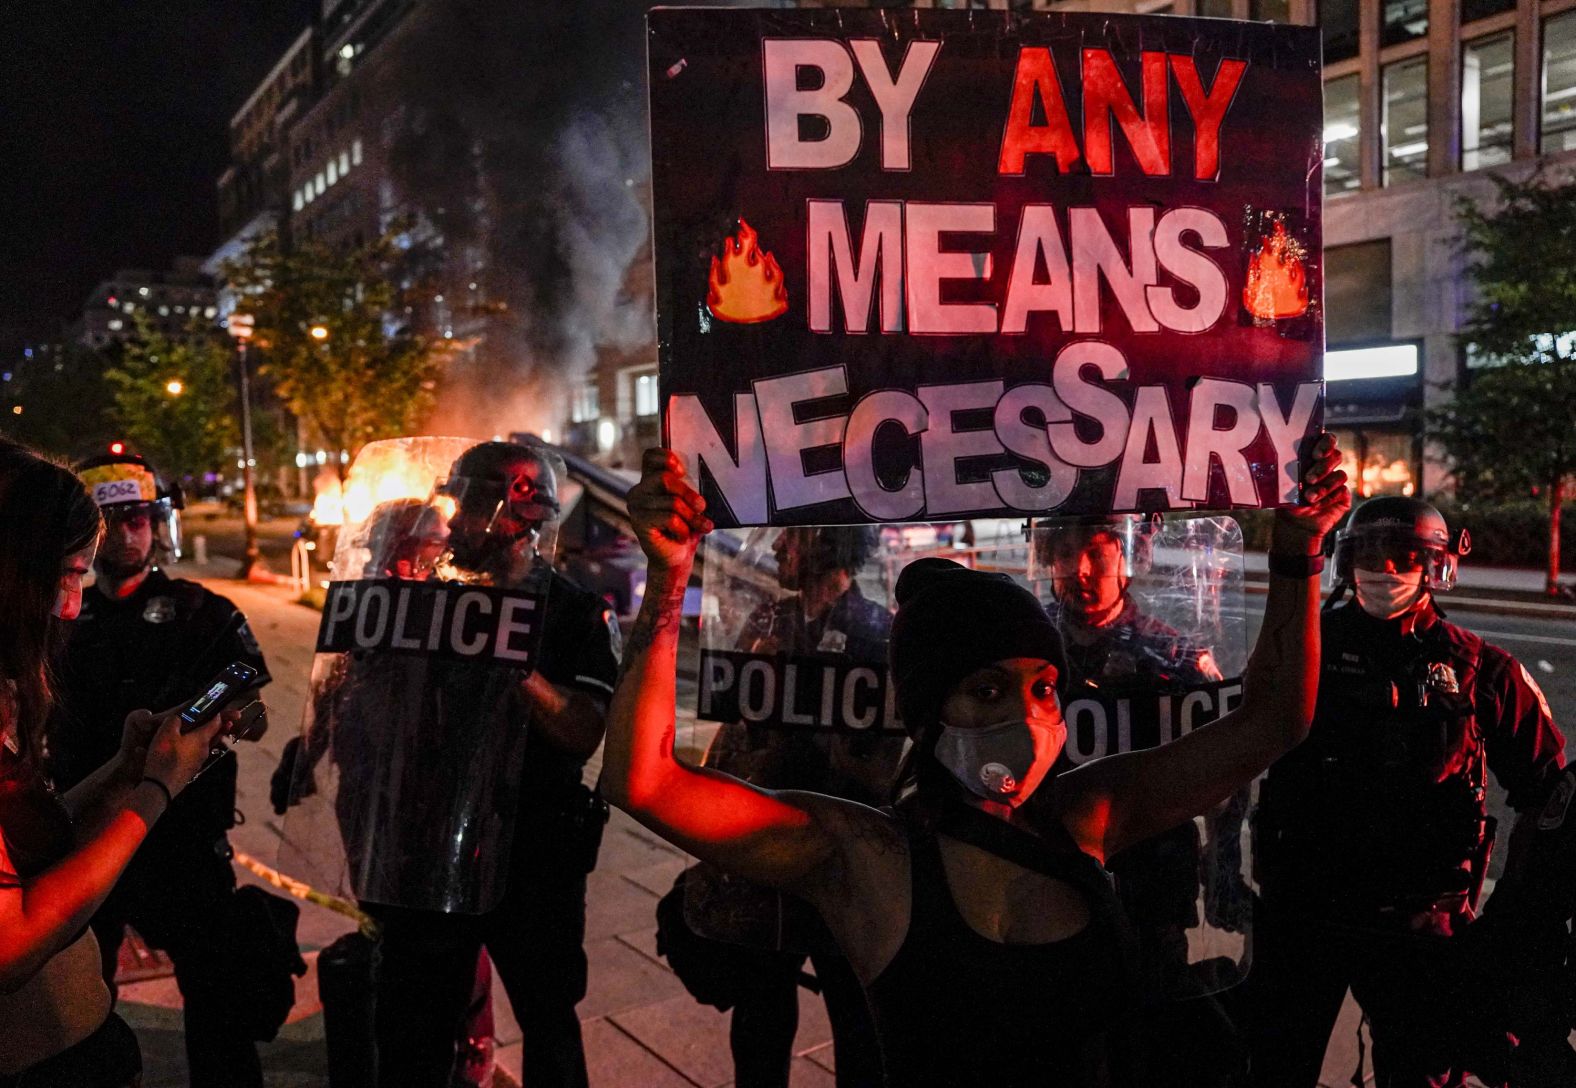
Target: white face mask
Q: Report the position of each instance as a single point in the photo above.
(1004, 762)
(1384, 596)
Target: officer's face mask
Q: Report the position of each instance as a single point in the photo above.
(1385, 595)
(1004, 762)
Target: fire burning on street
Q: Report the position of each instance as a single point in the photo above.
(371, 481)
(1277, 286)
(746, 285)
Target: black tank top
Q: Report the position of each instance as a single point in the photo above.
(956, 1008)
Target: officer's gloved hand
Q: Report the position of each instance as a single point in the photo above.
(280, 793)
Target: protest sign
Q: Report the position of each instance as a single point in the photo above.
(929, 265)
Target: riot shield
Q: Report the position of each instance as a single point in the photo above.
(407, 774)
(1152, 617)
(793, 694)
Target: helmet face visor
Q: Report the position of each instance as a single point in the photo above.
(1397, 549)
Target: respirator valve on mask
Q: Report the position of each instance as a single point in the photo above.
(998, 778)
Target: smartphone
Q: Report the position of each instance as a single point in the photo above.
(236, 678)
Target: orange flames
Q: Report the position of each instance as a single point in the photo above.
(746, 285)
(367, 486)
(1277, 286)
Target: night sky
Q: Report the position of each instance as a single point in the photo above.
(113, 131)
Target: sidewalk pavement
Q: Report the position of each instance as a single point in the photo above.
(641, 1027)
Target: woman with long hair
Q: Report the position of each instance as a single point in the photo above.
(975, 913)
(60, 854)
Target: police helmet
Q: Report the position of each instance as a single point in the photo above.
(1408, 533)
(1053, 544)
(403, 538)
(483, 479)
(125, 486)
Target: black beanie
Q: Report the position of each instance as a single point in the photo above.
(951, 621)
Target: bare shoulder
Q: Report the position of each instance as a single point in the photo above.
(863, 890)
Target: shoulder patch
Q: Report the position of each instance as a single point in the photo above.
(248, 640)
(615, 637)
(1553, 815)
(1543, 702)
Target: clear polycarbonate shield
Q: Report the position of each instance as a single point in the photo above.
(407, 773)
(793, 694)
(1153, 618)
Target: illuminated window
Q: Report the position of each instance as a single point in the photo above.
(114, 324)
(586, 405)
(210, 311)
(164, 311)
(646, 394)
(296, 201)
(1485, 101)
(332, 172)
(317, 183)
(1559, 84)
(355, 153)
(1341, 146)
(1403, 20)
(344, 163)
(1404, 124)
(1338, 26)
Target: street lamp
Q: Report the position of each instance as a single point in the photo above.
(240, 327)
(174, 387)
(319, 332)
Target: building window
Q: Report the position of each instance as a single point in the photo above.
(296, 201)
(114, 324)
(355, 152)
(1486, 100)
(1403, 20)
(586, 405)
(1214, 9)
(1404, 125)
(1479, 9)
(317, 183)
(1338, 26)
(646, 394)
(1341, 146)
(344, 163)
(1274, 11)
(1559, 84)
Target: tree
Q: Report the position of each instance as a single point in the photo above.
(174, 398)
(65, 401)
(323, 337)
(1508, 430)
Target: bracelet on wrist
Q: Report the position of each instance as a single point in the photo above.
(169, 798)
(1294, 565)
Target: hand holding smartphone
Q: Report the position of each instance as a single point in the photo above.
(236, 678)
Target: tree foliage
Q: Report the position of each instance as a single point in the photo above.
(1508, 430)
(186, 433)
(367, 375)
(65, 401)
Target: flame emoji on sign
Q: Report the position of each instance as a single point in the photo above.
(746, 286)
(1277, 286)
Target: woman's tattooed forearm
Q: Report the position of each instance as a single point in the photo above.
(662, 611)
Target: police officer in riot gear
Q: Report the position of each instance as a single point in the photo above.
(501, 494)
(1519, 959)
(1372, 837)
(754, 940)
(146, 639)
(1113, 646)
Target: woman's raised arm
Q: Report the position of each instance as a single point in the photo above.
(1112, 803)
(776, 838)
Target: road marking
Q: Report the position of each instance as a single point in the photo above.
(1511, 636)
